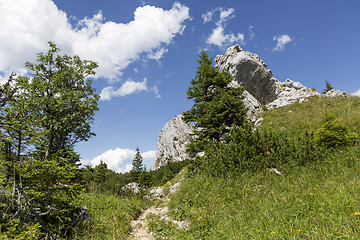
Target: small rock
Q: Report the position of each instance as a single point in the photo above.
(274, 170)
(157, 192)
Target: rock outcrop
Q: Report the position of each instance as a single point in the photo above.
(336, 93)
(172, 142)
(249, 70)
(289, 92)
(261, 89)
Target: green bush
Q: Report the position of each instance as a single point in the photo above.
(245, 150)
(333, 133)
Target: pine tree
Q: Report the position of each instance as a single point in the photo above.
(217, 105)
(138, 167)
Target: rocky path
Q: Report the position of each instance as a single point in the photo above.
(140, 229)
(139, 226)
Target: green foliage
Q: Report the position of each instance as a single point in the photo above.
(333, 133)
(217, 105)
(328, 87)
(245, 150)
(43, 117)
(100, 179)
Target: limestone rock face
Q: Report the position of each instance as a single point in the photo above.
(289, 92)
(250, 71)
(172, 142)
(252, 104)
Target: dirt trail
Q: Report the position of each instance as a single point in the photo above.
(139, 226)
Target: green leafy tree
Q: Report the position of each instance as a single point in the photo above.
(328, 87)
(217, 105)
(138, 167)
(46, 116)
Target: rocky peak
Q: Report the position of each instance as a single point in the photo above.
(250, 71)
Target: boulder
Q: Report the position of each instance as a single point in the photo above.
(172, 142)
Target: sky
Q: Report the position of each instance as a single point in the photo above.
(147, 52)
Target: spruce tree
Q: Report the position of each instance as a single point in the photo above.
(218, 106)
(138, 166)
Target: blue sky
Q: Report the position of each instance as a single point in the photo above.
(147, 51)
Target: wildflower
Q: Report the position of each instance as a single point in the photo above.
(274, 232)
(324, 186)
(299, 230)
(357, 213)
(243, 206)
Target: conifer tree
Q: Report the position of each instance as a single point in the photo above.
(138, 166)
(217, 105)
(328, 87)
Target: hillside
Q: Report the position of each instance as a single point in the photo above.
(319, 200)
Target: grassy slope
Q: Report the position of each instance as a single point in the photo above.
(318, 201)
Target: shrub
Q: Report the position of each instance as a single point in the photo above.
(333, 133)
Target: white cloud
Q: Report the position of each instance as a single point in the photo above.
(251, 33)
(281, 42)
(218, 37)
(207, 17)
(119, 160)
(357, 93)
(157, 55)
(27, 25)
(127, 88)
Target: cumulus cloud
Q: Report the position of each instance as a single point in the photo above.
(218, 36)
(357, 93)
(119, 160)
(27, 25)
(127, 88)
(281, 42)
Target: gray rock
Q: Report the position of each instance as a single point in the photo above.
(157, 192)
(252, 104)
(289, 92)
(133, 187)
(250, 71)
(172, 142)
(336, 93)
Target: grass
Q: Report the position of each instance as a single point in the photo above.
(110, 215)
(318, 201)
(297, 118)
